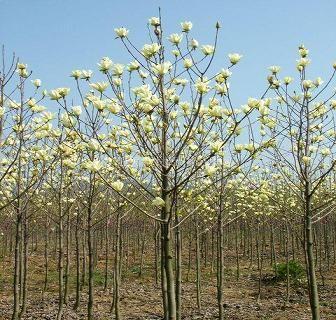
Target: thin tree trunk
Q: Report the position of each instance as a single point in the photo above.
(116, 289)
(91, 266)
(46, 258)
(16, 288)
(60, 268)
(198, 267)
(178, 266)
(78, 284)
(314, 298)
(67, 262)
(24, 266)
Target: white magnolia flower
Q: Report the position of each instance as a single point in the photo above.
(76, 110)
(133, 66)
(147, 161)
(239, 148)
(210, 170)
(21, 66)
(325, 152)
(216, 146)
(154, 21)
(76, 74)
(186, 26)
(234, 57)
(225, 73)
(274, 69)
(99, 86)
(121, 32)
(287, 80)
(93, 166)
(302, 63)
(162, 68)
(193, 44)
(99, 104)
(202, 86)
(307, 84)
(86, 74)
(117, 185)
(67, 121)
(187, 63)
(306, 160)
(175, 38)
(318, 81)
(158, 202)
(148, 50)
(208, 49)
(118, 69)
(37, 83)
(59, 93)
(303, 51)
(105, 64)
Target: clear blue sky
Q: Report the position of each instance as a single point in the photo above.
(55, 37)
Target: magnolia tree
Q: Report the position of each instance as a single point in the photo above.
(304, 154)
(24, 131)
(159, 143)
(163, 122)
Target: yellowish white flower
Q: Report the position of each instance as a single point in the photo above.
(162, 68)
(239, 148)
(202, 86)
(118, 69)
(187, 63)
(175, 38)
(307, 84)
(234, 57)
(133, 66)
(147, 161)
(306, 160)
(121, 32)
(86, 74)
(208, 50)
(287, 80)
(158, 202)
(99, 86)
(76, 74)
(216, 146)
(93, 166)
(59, 93)
(194, 44)
(117, 185)
(274, 69)
(37, 83)
(303, 51)
(21, 66)
(325, 152)
(148, 50)
(76, 110)
(186, 26)
(154, 21)
(105, 64)
(99, 104)
(210, 170)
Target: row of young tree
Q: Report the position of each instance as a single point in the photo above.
(156, 154)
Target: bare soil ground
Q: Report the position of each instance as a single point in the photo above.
(140, 296)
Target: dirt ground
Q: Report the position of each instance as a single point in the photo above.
(140, 297)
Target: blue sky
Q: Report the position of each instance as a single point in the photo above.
(55, 37)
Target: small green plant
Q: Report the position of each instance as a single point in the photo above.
(296, 270)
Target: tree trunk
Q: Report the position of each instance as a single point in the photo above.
(60, 268)
(78, 286)
(314, 298)
(16, 288)
(67, 262)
